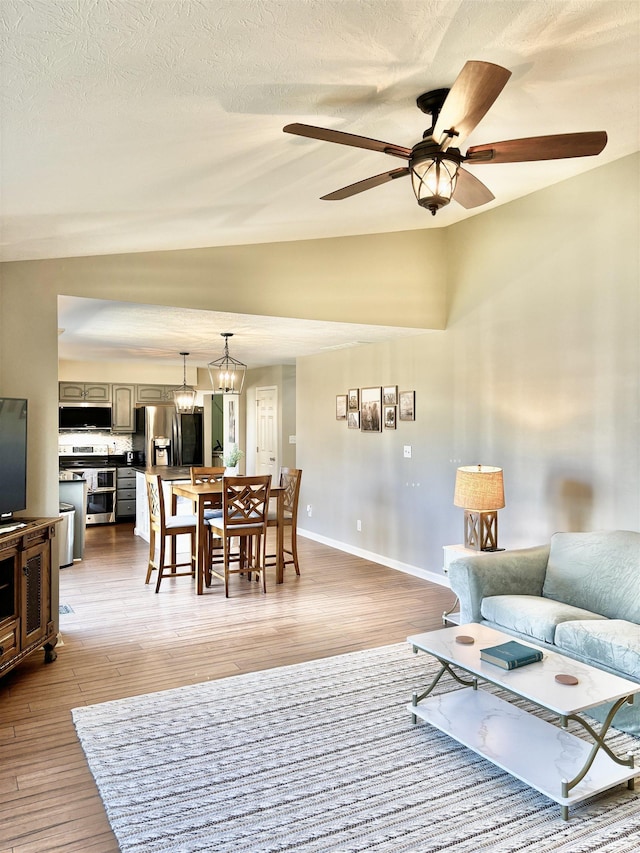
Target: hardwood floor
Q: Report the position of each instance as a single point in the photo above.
(122, 639)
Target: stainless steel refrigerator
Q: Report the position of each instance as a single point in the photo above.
(167, 438)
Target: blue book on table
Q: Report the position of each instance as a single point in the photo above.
(510, 655)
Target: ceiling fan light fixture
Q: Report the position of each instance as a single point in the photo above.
(184, 397)
(227, 373)
(434, 175)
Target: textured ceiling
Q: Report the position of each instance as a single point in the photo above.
(101, 330)
(131, 126)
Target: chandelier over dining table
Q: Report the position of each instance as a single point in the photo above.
(227, 373)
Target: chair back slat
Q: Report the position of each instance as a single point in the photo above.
(155, 496)
(290, 480)
(246, 500)
(206, 474)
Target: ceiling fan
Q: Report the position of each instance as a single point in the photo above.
(434, 164)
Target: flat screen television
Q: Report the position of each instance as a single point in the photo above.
(13, 456)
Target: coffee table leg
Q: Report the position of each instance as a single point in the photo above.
(444, 667)
(597, 746)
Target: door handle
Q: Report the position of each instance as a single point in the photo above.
(272, 459)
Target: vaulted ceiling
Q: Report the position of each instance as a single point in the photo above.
(131, 126)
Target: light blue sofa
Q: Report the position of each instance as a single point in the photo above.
(580, 596)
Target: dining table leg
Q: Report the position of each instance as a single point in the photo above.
(201, 533)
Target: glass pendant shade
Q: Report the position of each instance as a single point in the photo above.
(434, 182)
(227, 373)
(434, 174)
(184, 397)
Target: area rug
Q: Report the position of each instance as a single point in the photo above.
(322, 757)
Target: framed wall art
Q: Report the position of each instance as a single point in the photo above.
(407, 405)
(389, 413)
(390, 395)
(353, 420)
(371, 409)
(354, 400)
(341, 407)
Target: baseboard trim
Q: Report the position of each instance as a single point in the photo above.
(433, 577)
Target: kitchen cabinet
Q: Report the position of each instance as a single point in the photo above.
(154, 393)
(125, 493)
(123, 412)
(26, 622)
(84, 392)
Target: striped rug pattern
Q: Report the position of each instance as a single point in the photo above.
(322, 757)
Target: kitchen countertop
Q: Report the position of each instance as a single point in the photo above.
(168, 472)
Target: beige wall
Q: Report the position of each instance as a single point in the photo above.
(537, 372)
(131, 372)
(304, 279)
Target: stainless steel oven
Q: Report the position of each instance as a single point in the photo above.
(92, 463)
(101, 495)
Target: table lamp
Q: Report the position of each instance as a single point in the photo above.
(480, 492)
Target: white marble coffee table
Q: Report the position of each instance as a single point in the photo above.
(560, 765)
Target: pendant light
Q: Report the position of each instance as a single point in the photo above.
(184, 397)
(434, 175)
(227, 373)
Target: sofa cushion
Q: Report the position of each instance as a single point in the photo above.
(531, 615)
(599, 572)
(614, 643)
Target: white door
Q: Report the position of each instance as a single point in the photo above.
(267, 431)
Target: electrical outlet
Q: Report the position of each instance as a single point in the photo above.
(359, 526)
(309, 510)
(407, 451)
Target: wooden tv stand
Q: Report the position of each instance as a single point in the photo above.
(26, 622)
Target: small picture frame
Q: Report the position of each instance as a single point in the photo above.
(407, 406)
(341, 407)
(389, 414)
(353, 420)
(371, 409)
(390, 395)
(354, 400)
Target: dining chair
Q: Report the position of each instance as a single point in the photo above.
(204, 474)
(212, 509)
(163, 527)
(290, 481)
(245, 507)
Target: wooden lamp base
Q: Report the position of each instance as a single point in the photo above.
(481, 530)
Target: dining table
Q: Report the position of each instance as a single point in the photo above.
(200, 495)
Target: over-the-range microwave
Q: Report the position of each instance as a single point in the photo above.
(85, 417)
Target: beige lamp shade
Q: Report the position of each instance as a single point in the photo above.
(479, 488)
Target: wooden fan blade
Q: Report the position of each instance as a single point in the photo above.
(474, 91)
(367, 184)
(539, 148)
(470, 192)
(327, 135)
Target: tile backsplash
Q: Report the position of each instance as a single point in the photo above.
(117, 444)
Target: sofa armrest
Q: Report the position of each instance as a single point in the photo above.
(518, 572)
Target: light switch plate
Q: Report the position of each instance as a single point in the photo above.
(407, 451)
